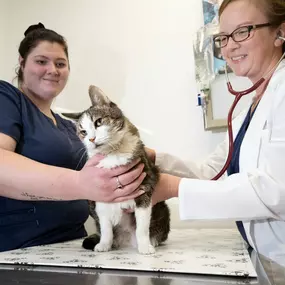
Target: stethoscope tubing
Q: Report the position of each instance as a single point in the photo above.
(238, 95)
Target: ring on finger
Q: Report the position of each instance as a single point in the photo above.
(119, 184)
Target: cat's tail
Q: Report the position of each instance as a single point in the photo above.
(91, 241)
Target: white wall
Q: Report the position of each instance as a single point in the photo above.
(2, 36)
(138, 51)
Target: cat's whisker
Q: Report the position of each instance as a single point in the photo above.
(83, 148)
(104, 139)
(85, 152)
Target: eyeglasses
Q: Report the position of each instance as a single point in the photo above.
(238, 35)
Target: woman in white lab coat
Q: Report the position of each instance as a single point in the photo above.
(253, 191)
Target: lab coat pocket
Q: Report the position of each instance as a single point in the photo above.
(272, 177)
(264, 138)
(272, 157)
(276, 127)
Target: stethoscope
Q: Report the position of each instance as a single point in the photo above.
(238, 95)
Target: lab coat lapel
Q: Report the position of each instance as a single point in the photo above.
(251, 144)
(250, 147)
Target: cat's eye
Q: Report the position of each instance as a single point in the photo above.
(83, 132)
(98, 123)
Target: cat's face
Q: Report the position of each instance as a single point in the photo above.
(101, 127)
(99, 130)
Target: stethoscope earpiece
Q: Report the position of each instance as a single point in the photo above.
(279, 36)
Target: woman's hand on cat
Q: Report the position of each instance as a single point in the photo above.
(101, 185)
(166, 188)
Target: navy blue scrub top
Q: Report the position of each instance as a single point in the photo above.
(234, 164)
(30, 223)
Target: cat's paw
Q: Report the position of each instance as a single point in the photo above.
(146, 249)
(102, 247)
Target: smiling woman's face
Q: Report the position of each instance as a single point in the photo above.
(46, 71)
(254, 56)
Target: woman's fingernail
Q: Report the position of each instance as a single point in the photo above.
(141, 192)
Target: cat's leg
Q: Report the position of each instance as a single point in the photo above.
(106, 239)
(143, 216)
(105, 213)
(159, 224)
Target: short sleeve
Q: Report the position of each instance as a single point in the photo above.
(10, 111)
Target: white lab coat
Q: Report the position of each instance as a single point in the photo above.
(256, 195)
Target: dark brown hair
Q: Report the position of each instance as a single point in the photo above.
(34, 35)
(273, 9)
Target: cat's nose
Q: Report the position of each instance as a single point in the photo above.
(92, 139)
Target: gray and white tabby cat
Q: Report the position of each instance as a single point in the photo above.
(104, 129)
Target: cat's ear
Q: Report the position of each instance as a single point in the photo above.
(73, 116)
(97, 96)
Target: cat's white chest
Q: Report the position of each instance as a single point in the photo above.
(113, 211)
(114, 160)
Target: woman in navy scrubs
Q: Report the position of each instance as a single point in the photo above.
(45, 181)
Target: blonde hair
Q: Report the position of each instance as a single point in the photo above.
(273, 9)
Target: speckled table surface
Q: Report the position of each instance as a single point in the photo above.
(188, 257)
